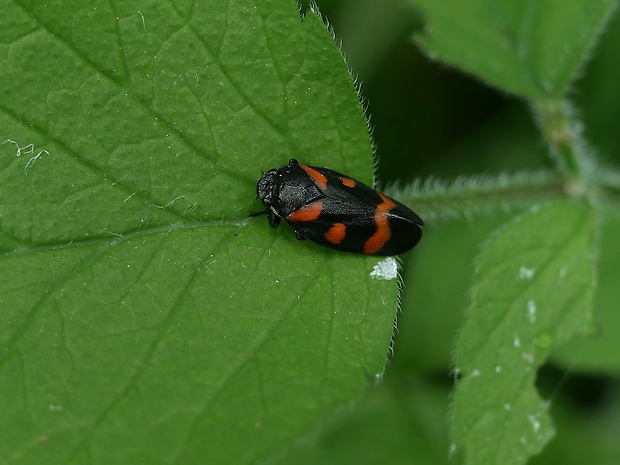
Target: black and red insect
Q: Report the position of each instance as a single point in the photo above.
(337, 211)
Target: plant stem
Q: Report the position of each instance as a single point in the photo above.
(562, 132)
(479, 194)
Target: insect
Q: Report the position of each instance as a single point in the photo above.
(336, 211)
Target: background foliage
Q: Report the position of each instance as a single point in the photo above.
(146, 320)
(430, 120)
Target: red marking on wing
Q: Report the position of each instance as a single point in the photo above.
(310, 212)
(383, 234)
(348, 182)
(336, 233)
(319, 178)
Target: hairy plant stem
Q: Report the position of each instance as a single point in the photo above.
(480, 194)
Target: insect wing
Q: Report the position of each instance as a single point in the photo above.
(356, 218)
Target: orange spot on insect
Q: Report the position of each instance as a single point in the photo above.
(310, 212)
(378, 240)
(348, 182)
(336, 233)
(317, 177)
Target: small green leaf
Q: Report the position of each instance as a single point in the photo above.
(601, 353)
(145, 318)
(534, 49)
(534, 291)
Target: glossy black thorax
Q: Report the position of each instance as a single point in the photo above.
(287, 189)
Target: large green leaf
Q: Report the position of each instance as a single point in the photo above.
(145, 319)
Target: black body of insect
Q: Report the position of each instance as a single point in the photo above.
(337, 211)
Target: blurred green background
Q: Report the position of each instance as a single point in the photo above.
(430, 120)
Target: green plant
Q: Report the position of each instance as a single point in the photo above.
(146, 319)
